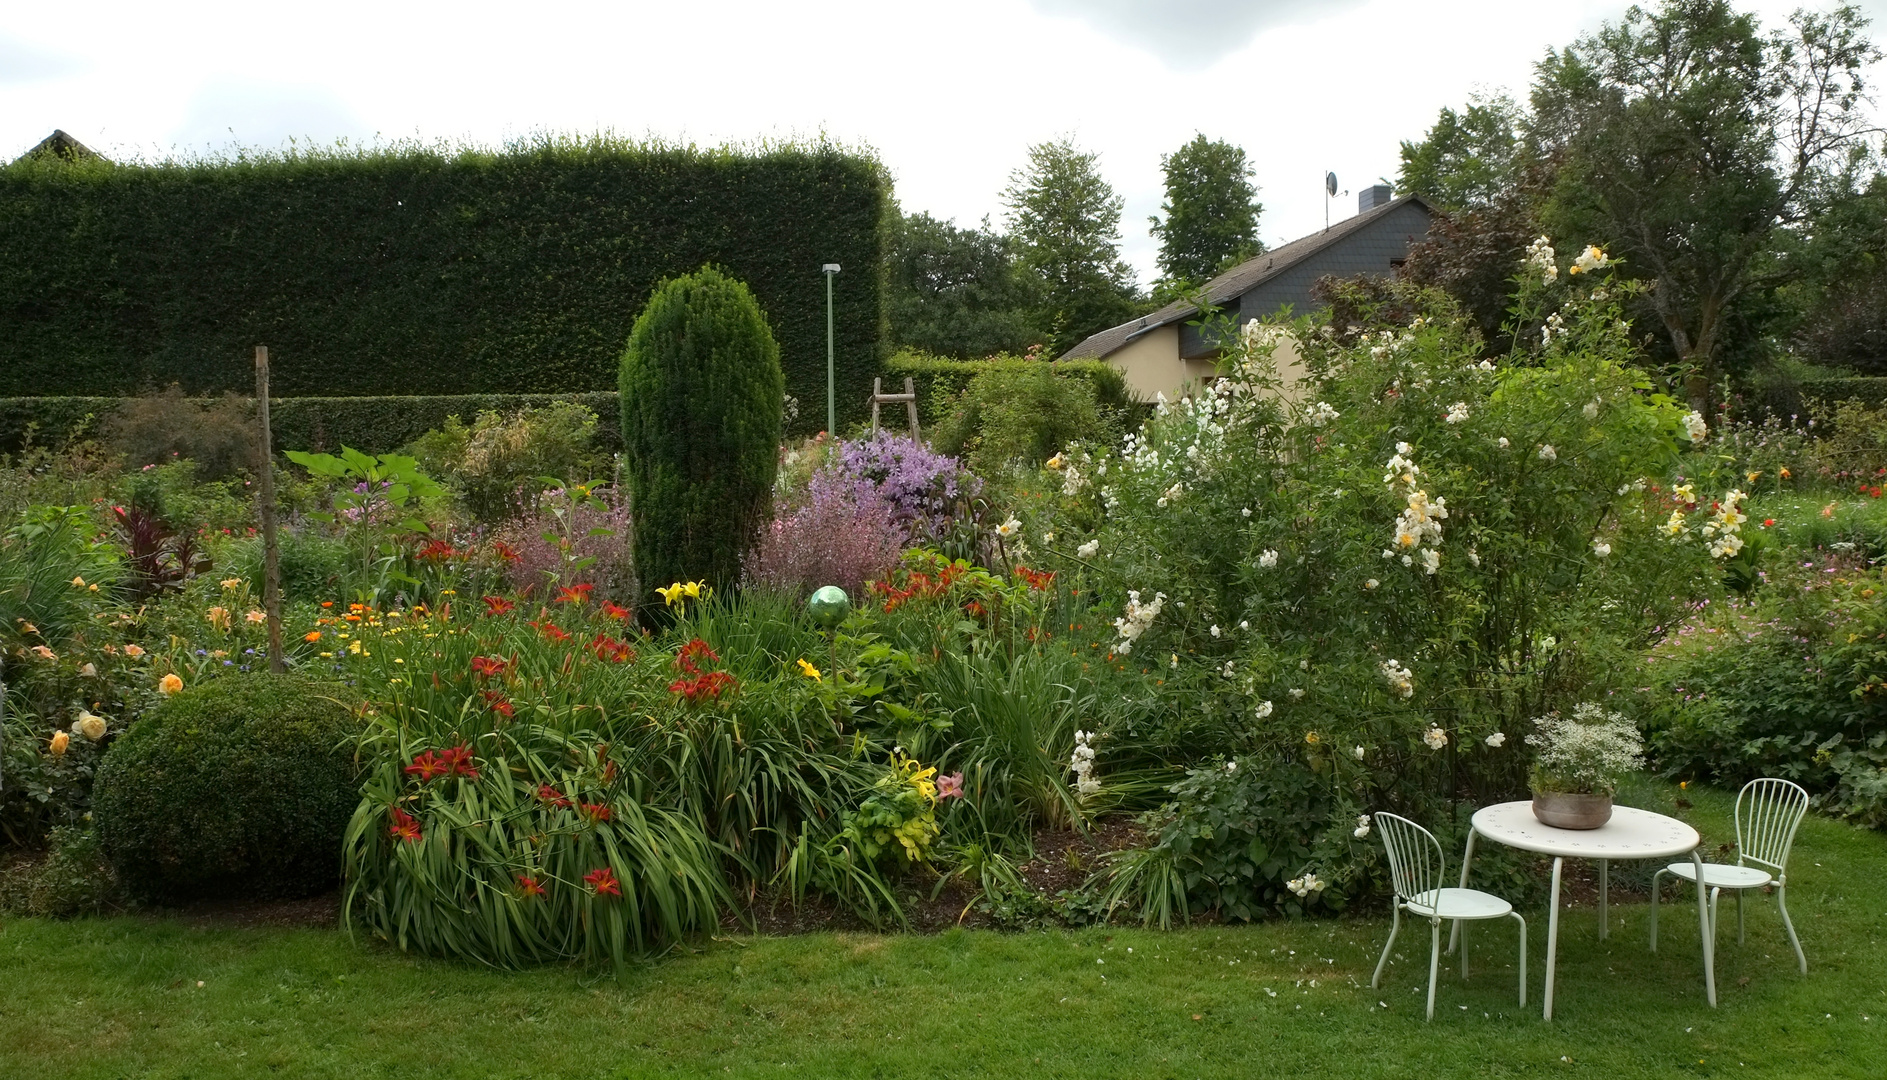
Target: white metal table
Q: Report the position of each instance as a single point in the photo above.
(1630, 834)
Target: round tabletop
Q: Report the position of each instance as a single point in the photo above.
(1630, 834)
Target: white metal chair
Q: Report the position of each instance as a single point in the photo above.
(1417, 868)
(1768, 811)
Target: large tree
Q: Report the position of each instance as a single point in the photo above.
(958, 292)
(1468, 159)
(1211, 211)
(1067, 220)
(1691, 142)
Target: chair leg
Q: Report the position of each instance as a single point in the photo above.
(1434, 962)
(1739, 916)
(1656, 879)
(1782, 905)
(1716, 895)
(1464, 949)
(1523, 956)
(1395, 926)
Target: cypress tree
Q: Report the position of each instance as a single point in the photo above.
(702, 396)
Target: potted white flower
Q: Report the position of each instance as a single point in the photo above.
(1580, 761)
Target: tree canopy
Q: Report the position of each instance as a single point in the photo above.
(1211, 211)
(1066, 219)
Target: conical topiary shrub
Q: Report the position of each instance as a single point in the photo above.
(702, 394)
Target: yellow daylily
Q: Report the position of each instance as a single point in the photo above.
(695, 589)
(809, 671)
(671, 594)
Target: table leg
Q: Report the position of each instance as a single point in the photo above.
(1605, 884)
(1552, 936)
(1703, 923)
(1467, 860)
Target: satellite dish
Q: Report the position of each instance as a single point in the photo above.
(1330, 183)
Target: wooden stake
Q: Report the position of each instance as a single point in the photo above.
(271, 554)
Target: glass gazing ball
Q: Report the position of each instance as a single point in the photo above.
(829, 606)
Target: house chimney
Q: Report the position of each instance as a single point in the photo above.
(1372, 197)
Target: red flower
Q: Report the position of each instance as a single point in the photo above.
(1037, 579)
(504, 551)
(429, 767)
(604, 881)
(404, 826)
(459, 760)
(528, 886)
(498, 704)
(552, 796)
(498, 605)
(608, 648)
(490, 666)
(1769, 523)
(552, 631)
(615, 611)
(973, 608)
(575, 594)
(438, 551)
(696, 649)
(702, 687)
(596, 812)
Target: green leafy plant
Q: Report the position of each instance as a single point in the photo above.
(373, 502)
(702, 395)
(239, 786)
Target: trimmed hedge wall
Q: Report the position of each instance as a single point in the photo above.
(418, 272)
(940, 379)
(374, 425)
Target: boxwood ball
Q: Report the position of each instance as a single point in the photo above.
(829, 606)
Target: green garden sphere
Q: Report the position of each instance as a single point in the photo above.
(829, 606)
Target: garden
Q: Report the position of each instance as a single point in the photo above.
(1053, 744)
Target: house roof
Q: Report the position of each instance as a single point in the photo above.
(62, 146)
(1237, 281)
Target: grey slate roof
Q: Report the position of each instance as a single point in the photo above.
(1241, 279)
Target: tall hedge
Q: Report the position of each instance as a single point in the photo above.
(413, 271)
(700, 395)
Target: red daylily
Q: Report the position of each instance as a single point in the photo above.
(703, 686)
(552, 631)
(596, 812)
(498, 605)
(498, 704)
(603, 880)
(1037, 579)
(575, 594)
(404, 826)
(552, 796)
(694, 650)
(608, 648)
(438, 551)
(504, 551)
(615, 611)
(428, 767)
(528, 886)
(490, 667)
(459, 759)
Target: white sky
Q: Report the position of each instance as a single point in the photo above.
(949, 95)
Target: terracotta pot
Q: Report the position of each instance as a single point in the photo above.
(1567, 810)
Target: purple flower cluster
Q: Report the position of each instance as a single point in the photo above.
(921, 487)
(844, 535)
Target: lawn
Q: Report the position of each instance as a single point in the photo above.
(142, 997)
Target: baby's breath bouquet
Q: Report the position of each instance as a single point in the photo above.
(1585, 753)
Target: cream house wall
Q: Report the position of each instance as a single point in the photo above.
(1152, 366)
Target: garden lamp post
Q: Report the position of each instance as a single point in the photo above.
(832, 411)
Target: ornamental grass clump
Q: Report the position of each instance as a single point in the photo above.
(1586, 753)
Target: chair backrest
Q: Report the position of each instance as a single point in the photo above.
(1768, 810)
(1416, 864)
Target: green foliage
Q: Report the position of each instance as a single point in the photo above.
(957, 292)
(940, 381)
(1234, 836)
(1067, 220)
(1019, 415)
(1211, 211)
(376, 425)
(238, 787)
(220, 435)
(313, 567)
(898, 818)
(72, 878)
(496, 465)
(1790, 683)
(463, 270)
(701, 423)
(1468, 159)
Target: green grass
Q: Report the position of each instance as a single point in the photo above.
(121, 998)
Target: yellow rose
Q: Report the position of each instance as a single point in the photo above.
(90, 726)
(170, 683)
(60, 740)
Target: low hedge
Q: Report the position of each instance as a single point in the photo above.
(371, 424)
(240, 786)
(939, 380)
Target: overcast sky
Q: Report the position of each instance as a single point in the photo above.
(948, 95)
